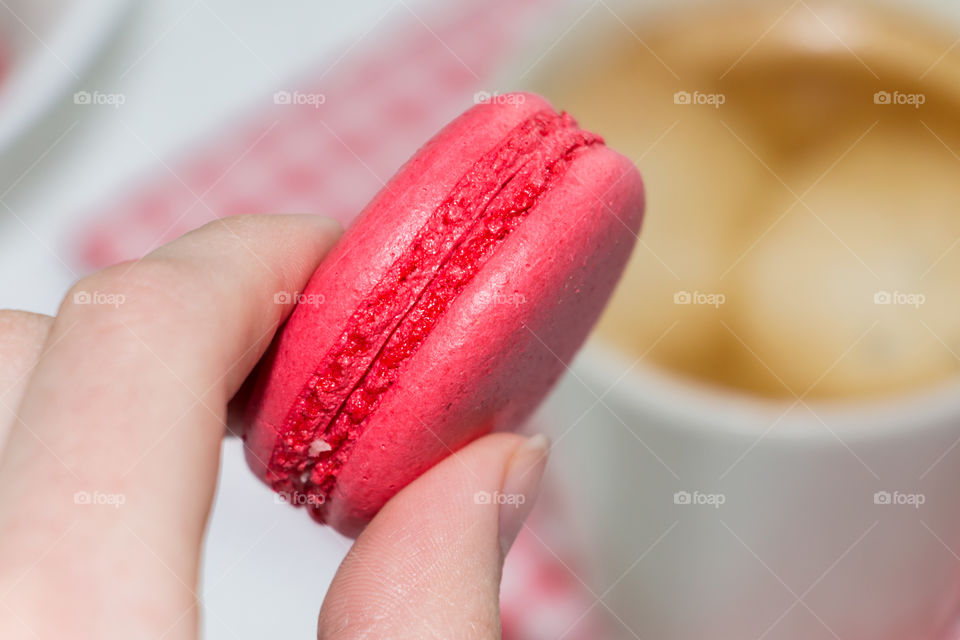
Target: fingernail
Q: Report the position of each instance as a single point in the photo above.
(521, 484)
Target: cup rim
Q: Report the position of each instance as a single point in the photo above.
(705, 407)
(702, 407)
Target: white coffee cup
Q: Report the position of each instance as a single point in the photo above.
(713, 515)
(710, 513)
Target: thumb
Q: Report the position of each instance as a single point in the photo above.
(429, 563)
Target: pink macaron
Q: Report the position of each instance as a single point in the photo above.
(446, 311)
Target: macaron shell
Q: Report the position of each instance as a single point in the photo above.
(364, 254)
(509, 335)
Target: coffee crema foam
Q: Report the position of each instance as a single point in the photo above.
(803, 233)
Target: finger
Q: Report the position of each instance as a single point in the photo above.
(121, 423)
(22, 335)
(429, 564)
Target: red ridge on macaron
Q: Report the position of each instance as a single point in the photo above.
(331, 403)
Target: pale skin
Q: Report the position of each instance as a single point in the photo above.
(131, 400)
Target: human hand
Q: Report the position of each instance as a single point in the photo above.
(124, 395)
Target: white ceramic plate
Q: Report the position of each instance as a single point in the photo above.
(47, 45)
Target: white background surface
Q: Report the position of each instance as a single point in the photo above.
(184, 68)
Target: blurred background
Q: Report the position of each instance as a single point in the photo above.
(802, 161)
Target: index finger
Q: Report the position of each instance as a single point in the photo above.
(111, 464)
